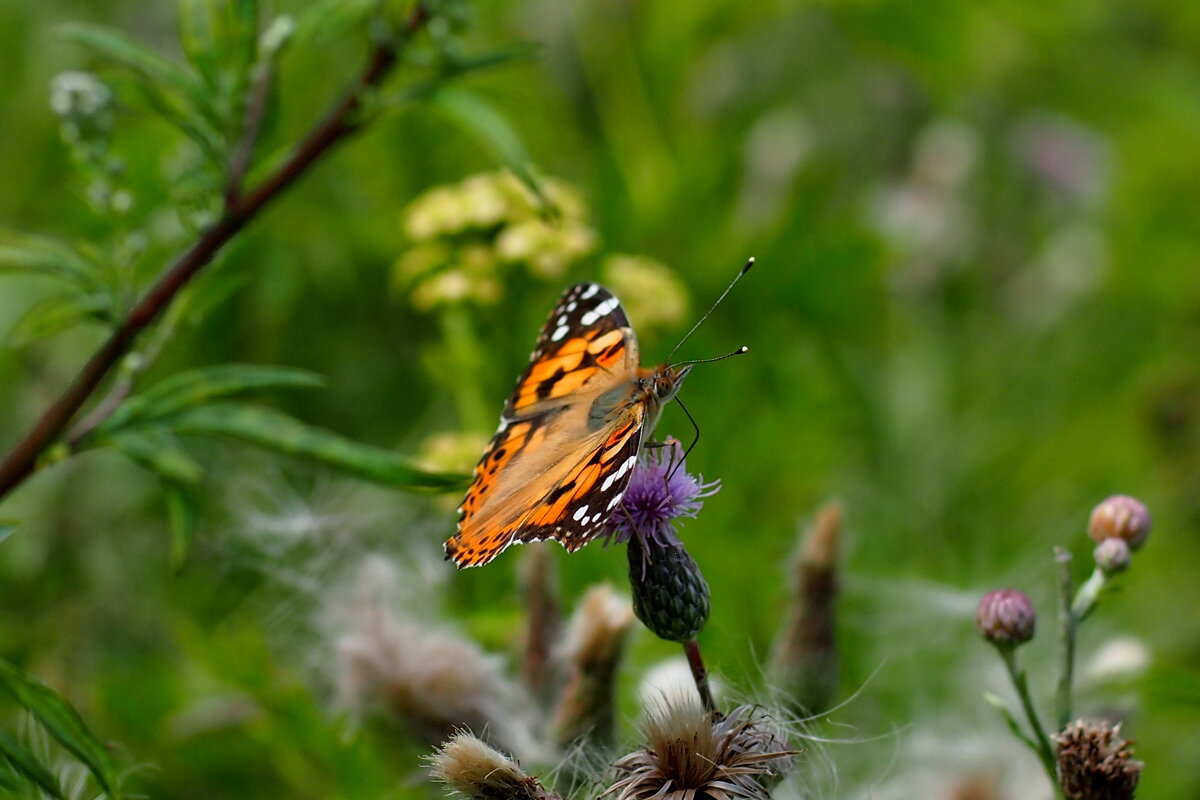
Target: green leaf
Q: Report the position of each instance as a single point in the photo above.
(169, 88)
(28, 765)
(198, 386)
(281, 433)
(55, 314)
(157, 452)
(45, 256)
(1010, 719)
(10, 781)
(181, 514)
(478, 117)
(219, 39)
(63, 723)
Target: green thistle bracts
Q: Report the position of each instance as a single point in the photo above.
(670, 596)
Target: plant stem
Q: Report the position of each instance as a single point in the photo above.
(691, 649)
(1066, 636)
(1088, 595)
(1044, 749)
(341, 121)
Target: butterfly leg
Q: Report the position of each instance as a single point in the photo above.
(695, 439)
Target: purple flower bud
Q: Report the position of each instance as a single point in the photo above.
(1113, 555)
(1006, 617)
(1122, 517)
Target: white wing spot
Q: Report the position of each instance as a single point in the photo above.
(571, 306)
(616, 499)
(579, 512)
(559, 333)
(591, 290)
(562, 320)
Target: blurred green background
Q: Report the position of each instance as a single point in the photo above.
(976, 313)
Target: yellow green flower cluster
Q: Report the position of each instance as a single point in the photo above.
(466, 235)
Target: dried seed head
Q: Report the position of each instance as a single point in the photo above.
(1006, 617)
(593, 650)
(475, 770)
(688, 755)
(1122, 517)
(1095, 763)
(1113, 555)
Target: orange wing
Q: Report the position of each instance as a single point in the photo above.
(568, 438)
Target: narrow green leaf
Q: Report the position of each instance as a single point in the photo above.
(276, 431)
(10, 781)
(63, 723)
(28, 765)
(55, 314)
(157, 452)
(198, 386)
(45, 256)
(1010, 719)
(181, 514)
(480, 118)
(169, 88)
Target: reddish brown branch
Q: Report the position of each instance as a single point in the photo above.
(340, 122)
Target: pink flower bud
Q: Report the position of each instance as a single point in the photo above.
(1006, 617)
(1121, 517)
(1113, 555)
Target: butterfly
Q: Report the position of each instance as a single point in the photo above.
(569, 435)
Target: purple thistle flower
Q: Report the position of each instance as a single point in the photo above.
(659, 491)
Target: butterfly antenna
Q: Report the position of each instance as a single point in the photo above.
(740, 351)
(737, 278)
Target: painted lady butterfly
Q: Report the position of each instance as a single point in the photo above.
(569, 435)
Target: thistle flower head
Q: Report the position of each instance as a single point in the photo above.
(660, 490)
(1095, 763)
(1120, 517)
(1006, 617)
(689, 755)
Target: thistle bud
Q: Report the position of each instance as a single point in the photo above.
(1006, 617)
(1120, 517)
(670, 596)
(1112, 555)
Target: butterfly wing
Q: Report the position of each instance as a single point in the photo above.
(567, 440)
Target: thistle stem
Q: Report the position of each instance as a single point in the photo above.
(691, 649)
(1041, 741)
(1066, 636)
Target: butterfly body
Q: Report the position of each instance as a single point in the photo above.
(569, 435)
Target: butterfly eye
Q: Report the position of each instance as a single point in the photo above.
(663, 387)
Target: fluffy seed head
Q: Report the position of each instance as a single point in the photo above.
(689, 755)
(474, 770)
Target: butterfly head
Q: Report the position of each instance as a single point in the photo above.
(667, 379)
